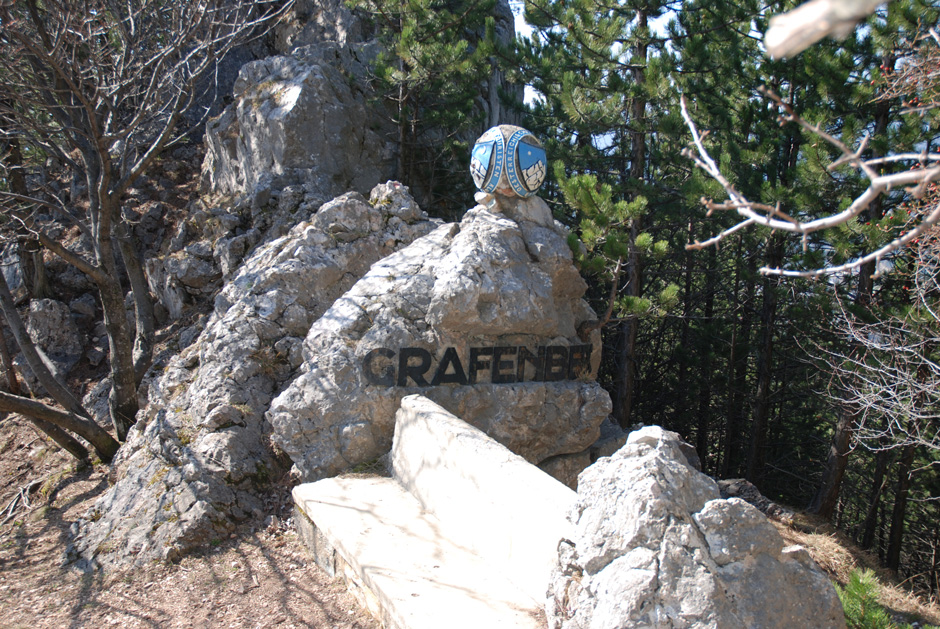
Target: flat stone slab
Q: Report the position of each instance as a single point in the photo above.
(419, 577)
(492, 501)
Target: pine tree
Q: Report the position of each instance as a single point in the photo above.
(598, 71)
(437, 55)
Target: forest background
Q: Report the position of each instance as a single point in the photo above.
(822, 388)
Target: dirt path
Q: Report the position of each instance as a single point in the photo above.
(260, 577)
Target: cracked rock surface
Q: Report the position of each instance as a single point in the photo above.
(502, 278)
(200, 452)
(655, 546)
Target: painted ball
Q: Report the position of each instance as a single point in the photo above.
(509, 160)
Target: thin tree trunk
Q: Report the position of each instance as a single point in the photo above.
(705, 393)
(827, 495)
(63, 439)
(34, 269)
(14, 163)
(12, 383)
(755, 457)
(58, 391)
(736, 398)
(122, 401)
(870, 525)
(104, 444)
(684, 395)
(143, 305)
(896, 537)
(623, 405)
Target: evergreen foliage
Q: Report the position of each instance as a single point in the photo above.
(860, 602)
(437, 56)
(700, 342)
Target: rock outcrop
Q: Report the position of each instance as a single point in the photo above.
(299, 119)
(655, 546)
(198, 455)
(479, 316)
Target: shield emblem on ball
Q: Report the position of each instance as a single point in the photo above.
(486, 160)
(532, 161)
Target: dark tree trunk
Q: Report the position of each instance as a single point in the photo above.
(705, 392)
(684, 394)
(755, 457)
(34, 269)
(63, 439)
(122, 401)
(143, 305)
(896, 537)
(14, 163)
(827, 495)
(870, 525)
(626, 385)
(104, 445)
(12, 383)
(740, 350)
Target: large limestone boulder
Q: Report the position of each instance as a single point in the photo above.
(655, 546)
(481, 317)
(298, 119)
(200, 452)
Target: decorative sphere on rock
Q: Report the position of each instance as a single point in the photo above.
(509, 160)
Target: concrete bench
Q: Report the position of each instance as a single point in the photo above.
(464, 534)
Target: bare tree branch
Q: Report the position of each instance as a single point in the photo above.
(770, 216)
(793, 32)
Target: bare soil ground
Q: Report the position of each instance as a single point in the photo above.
(260, 577)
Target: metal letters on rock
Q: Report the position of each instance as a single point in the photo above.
(509, 160)
(418, 367)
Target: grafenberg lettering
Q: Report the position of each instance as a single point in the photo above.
(414, 366)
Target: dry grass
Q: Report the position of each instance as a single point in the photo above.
(839, 556)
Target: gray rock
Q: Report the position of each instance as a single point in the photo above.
(191, 271)
(169, 293)
(740, 488)
(97, 353)
(201, 249)
(13, 272)
(96, 403)
(566, 467)
(200, 452)
(314, 21)
(654, 545)
(151, 227)
(487, 281)
(56, 335)
(84, 305)
(73, 280)
(612, 438)
(296, 121)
